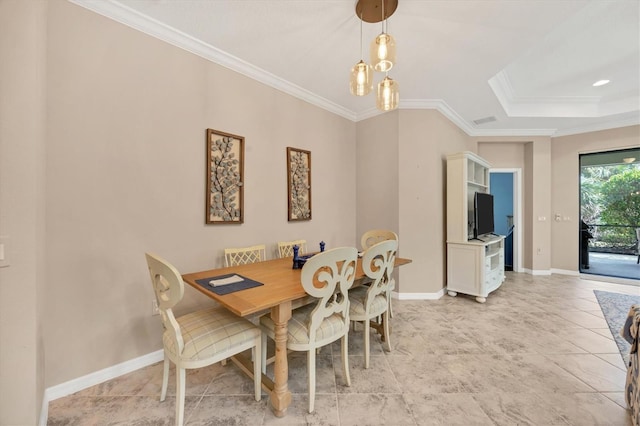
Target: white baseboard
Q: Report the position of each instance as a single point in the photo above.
(418, 296)
(92, 379)
(537, 272)
(565, 272)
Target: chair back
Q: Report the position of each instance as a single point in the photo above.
(285, 248)
(328, 276)
(245, 255)
(374, 236)
(169, 289)
(378, 262)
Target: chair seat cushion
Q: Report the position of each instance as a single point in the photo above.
(357, 297)
(332, 327)
(209, 332)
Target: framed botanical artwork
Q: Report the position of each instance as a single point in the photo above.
(225, 178)
(299, 183)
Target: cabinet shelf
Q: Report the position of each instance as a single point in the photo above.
(479, 185)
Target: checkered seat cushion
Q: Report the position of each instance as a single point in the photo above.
(357, 297)
(210, 331)
(331, 328)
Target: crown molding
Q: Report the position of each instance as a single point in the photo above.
(136, 20)
(556, 106)
(125, 15)
(632, 119)
(442, 107)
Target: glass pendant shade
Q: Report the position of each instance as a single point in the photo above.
(383, 52)
(388, 95)
(361, 81)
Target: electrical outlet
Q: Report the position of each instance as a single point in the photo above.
(154, 307)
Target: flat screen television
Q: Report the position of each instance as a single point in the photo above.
(483, 214)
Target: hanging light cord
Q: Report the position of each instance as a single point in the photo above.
(384, 21)
(361, 35)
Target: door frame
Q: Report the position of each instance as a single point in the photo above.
(517, 214)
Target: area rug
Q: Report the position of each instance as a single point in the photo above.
(615, 307)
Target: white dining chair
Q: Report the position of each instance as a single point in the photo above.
(200, 338)
(285, 248)
(327, 276)
(372, 301)
(374, 236)
(244, 255)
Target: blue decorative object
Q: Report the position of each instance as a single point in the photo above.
(321, 246)
(299, 263)
(295, 257)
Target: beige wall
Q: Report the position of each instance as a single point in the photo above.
(539, 188)
(22, 166)
(125, 175)
(532, 156)
(401, 185)
(108, 152)
(550, 181)
(377, 165)
(565, 199)
(425, 138)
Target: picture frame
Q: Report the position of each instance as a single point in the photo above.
(298, 184)
(225, 178)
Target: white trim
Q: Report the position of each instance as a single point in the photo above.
(632, 120)
(130, 17)
(565, 272)
(143, 23)
(67, 388)
(518, 249)
(537, 271)
(556, 106)
(418, 296)
(441, 106)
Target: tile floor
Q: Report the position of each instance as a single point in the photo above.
(538, 352)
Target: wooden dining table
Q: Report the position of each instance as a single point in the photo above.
(281, 291)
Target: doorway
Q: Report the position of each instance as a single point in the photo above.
(610, 214)
(505, 186)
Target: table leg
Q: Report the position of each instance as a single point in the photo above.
(281, 397)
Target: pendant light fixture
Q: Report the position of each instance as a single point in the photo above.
(383, 48)
(383, 56)
(361, 81)
(388, 95)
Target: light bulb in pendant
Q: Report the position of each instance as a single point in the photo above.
(361, 81)
(383, 52)
(388, 95)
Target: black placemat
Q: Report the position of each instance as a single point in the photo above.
(229, 288)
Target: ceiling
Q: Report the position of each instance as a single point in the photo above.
(530, 64)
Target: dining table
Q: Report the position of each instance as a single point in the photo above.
(278, 291)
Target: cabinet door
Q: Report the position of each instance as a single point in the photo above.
(464, 268)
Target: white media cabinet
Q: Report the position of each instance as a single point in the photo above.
(474, 266)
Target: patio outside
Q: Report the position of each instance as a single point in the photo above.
(610, 213)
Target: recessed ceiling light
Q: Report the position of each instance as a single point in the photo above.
(629, 160)
(600, 83)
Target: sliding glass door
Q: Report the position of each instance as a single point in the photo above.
(610, 213)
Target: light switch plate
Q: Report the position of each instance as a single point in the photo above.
(4, 251)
